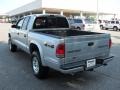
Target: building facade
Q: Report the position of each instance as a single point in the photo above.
(69, 8)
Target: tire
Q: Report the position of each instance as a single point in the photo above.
(39, 71)
(115, 28)
(12, 47)
(78, 28)
(101, 27)
(106, 28)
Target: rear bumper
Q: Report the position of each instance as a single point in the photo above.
(82, 66)
(106, 60)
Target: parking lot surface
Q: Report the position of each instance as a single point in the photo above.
(16, 72)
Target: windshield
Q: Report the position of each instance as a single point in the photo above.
(50, 22)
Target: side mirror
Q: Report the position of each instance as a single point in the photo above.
(13, 26)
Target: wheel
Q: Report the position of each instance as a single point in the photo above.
(39, 71)
(78, 28)
(106, 28)
(101, 27)
(115, 28)
(12, 47)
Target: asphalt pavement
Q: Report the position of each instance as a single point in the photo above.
(16, 72)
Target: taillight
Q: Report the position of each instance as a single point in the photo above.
(60, 51)
(110, 43)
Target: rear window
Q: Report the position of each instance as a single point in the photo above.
(88, 21)
(78, 21)
(50, 22)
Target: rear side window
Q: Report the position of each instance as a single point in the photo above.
(25, 23)
(112, 22)
(117, 22)
(89, 21)
(50, 22)
(78, 21)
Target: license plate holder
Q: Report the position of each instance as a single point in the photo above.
(91, 63)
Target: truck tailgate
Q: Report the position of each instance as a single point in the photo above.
(85, 47)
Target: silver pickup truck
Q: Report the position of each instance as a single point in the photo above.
(52, 44)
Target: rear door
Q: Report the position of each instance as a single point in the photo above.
(79, 48)
(111, 24)
(23, 34)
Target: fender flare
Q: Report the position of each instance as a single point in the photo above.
(40, 50)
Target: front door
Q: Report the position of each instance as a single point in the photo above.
(16, 32)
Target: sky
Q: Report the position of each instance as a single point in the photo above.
(8, 5)
(104, 5)
(109, 5)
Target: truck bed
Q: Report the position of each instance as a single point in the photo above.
(81, 45)
(67, 33)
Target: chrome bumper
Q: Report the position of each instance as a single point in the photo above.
(106, 60)
(100, 62)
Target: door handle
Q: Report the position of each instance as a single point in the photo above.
(17, 33)
(25, 35)
(90, 44)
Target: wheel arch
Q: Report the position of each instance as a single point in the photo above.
(115, 26)
(33, 46)
(78, 27)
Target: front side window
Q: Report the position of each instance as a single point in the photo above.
(20, 23)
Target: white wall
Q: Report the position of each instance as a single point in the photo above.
(106, 6)
(81, 5)
(84, 5)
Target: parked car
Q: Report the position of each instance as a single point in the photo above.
(52, 44)
(102, 24)
(114, 24)
(83, 24)
(1, 21)
(71, 22)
